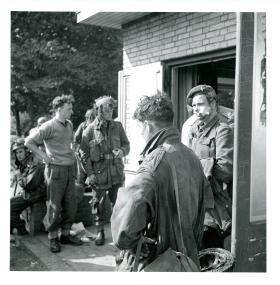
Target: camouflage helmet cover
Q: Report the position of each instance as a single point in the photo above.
(105, 100)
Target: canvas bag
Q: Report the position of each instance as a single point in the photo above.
(170, 260)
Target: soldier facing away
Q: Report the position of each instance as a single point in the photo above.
(147, 206)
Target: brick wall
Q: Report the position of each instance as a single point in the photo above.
(169, 35)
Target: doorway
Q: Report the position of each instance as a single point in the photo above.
(215, 69)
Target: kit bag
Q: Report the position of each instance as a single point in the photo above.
(170, 260)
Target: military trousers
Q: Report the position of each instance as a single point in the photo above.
(61, 199)
(17, 205)
(103, 205)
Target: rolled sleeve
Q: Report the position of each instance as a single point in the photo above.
(43, 133)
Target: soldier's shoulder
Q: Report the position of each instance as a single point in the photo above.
(117, 124)
(48, 124)
(34, 161)
(153, 159)
(224, 128)
(89, 128)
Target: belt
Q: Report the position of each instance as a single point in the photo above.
(108, 156)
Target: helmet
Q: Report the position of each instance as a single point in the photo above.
(105, 100)
(206, 90)
(18, 143)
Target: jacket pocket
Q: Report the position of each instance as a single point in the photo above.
(117, 170)
(101, 174)
(206, 148)
(116, 142)
(94, 151)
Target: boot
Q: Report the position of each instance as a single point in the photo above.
(100, 238)
(54, 245)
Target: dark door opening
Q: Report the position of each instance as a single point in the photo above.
(219, 74)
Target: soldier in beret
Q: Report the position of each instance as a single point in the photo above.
(211, 138)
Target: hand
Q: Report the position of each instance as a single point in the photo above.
(92, 179)
(118, 153)
(75, 147)
(145, 248)
(47, 159)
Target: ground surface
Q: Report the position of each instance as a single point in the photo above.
(22, 259)
(33, 254)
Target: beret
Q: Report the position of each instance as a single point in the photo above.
(206, 90)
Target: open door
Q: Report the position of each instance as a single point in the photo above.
(133, 84)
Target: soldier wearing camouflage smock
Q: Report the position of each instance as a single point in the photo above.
(104, 144)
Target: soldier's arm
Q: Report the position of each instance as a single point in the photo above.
(125, 145)
(34, 177)
(85, 149)
(78, 134)
(132, 211)
(223, 166)
(37, 138)
(186, 136)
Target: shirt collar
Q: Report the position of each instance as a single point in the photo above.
(204, 127)
(62, 123)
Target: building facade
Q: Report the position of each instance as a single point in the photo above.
(172, 52)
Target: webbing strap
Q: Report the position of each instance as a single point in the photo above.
(175, 182)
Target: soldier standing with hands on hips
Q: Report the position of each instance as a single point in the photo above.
(57, 136)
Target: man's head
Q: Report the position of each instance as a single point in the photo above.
(105, 106)
(90, 115)
(19, 149)
(41, 121)
(203, 100)
(63, 105)
(153, 113)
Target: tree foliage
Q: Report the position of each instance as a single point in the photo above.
(51, 54)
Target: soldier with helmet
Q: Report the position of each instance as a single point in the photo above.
(104, 143)
(29, 184)
(211, 138)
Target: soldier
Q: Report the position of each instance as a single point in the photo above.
(89, 118)
(211, 138)
(57, 136)
(29, 184)
(147, 206)
(104, 144)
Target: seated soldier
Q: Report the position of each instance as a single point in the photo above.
(29, 185)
